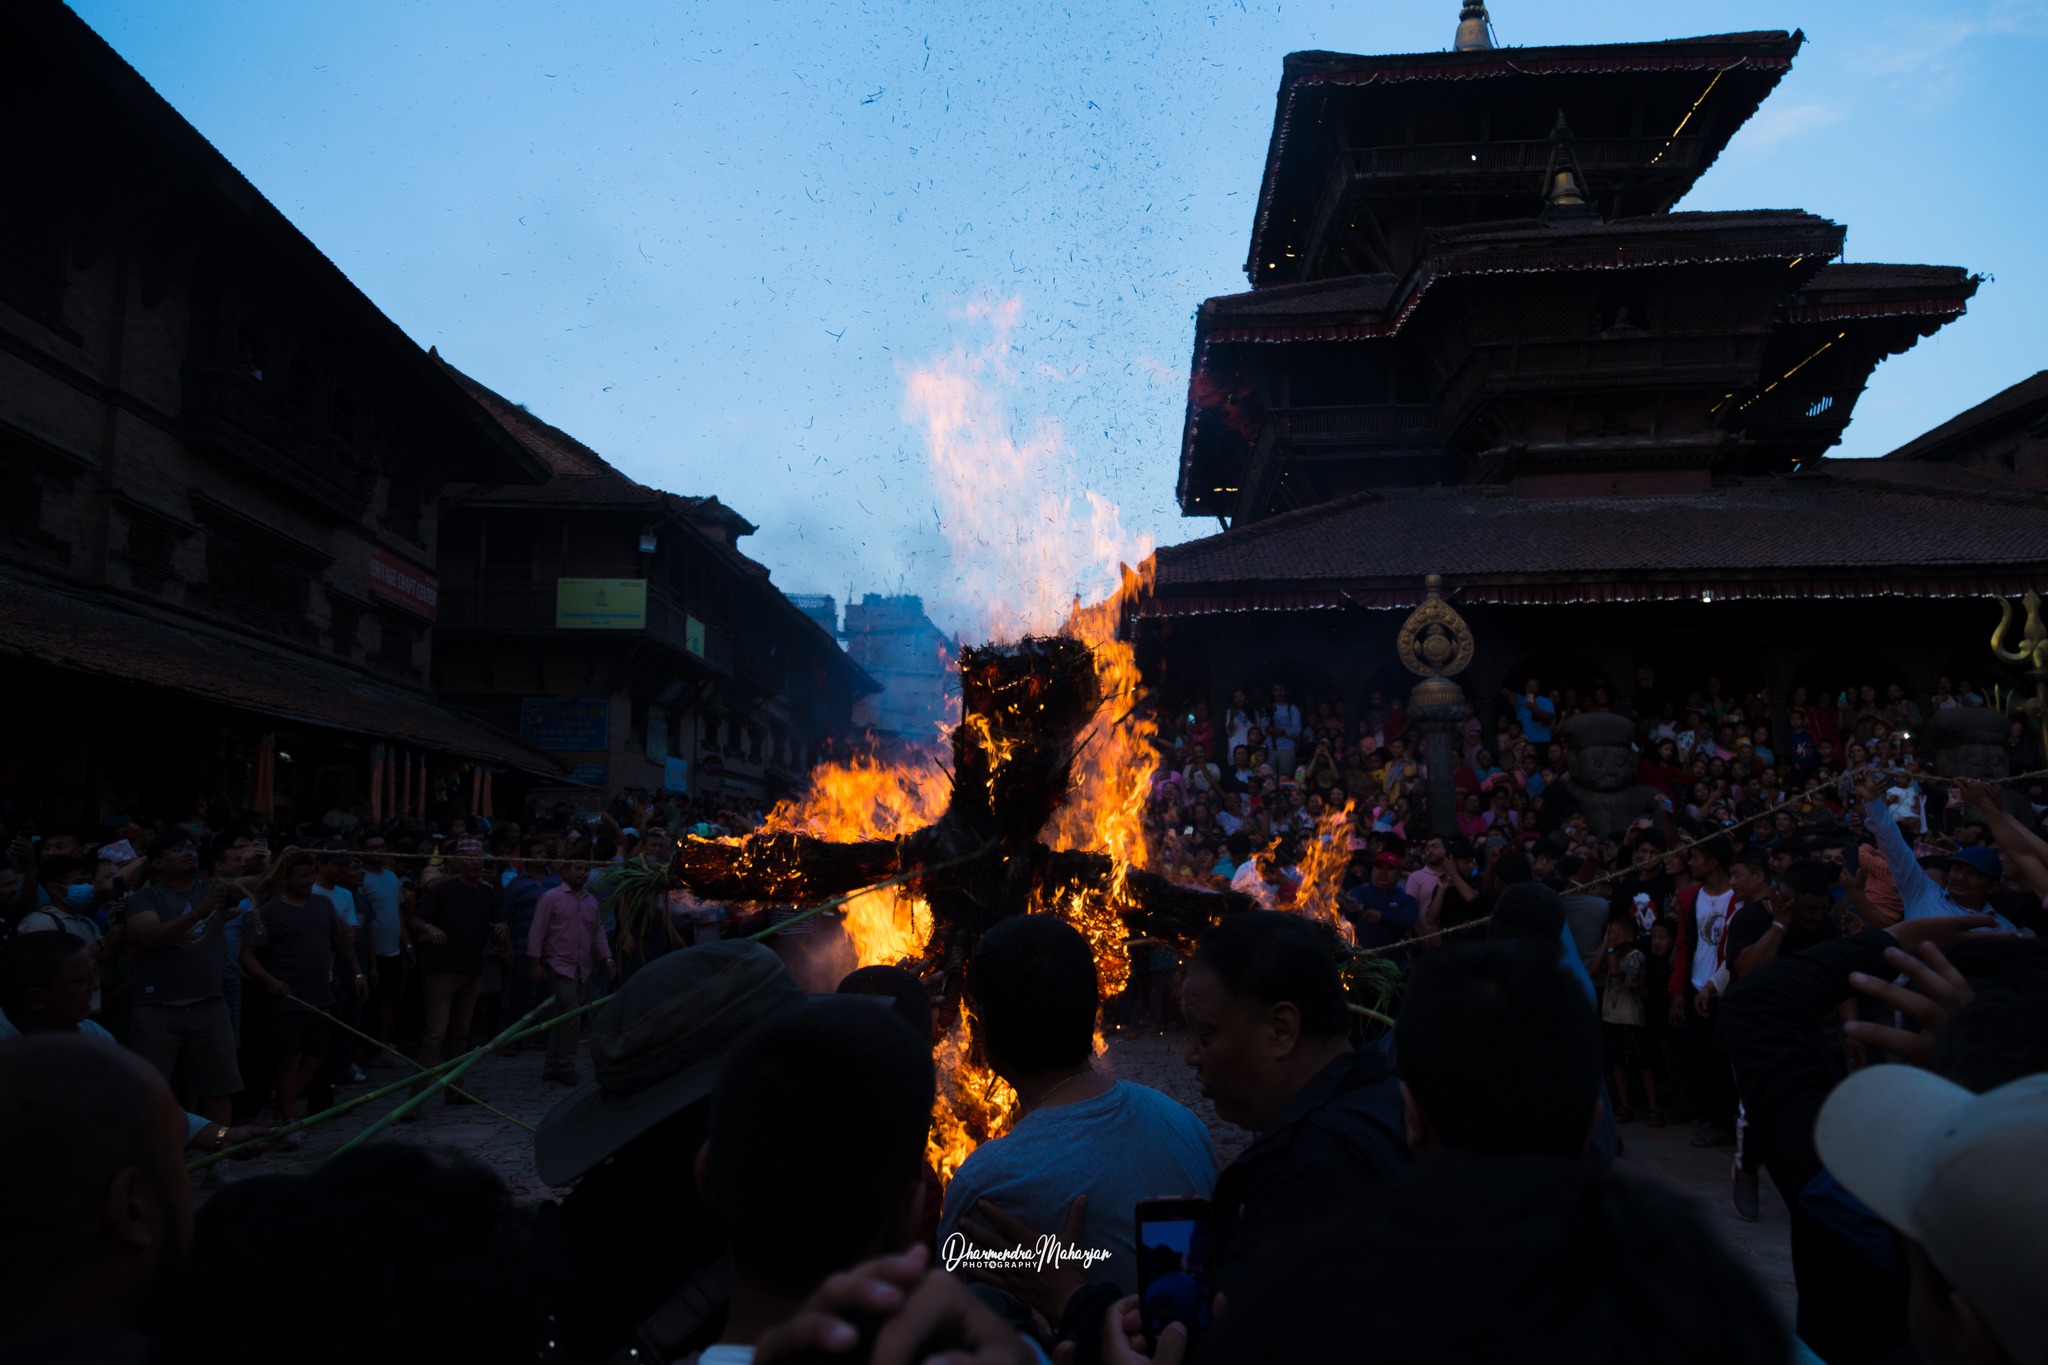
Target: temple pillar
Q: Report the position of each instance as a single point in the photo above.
(1778, 679)
(1435, 643)
(1436, 712)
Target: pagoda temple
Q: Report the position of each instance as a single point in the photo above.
(1479, 342)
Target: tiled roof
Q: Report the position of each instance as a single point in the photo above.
(1767, 55)
(1348, 294)
(2024, 400)
(1593, 56)
(1858, 275)
(105, 635)
(1838, 524)
(563, 454)
(584, 478)
(1358, 305)
(1716, 220)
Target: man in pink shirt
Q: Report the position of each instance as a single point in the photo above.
(566, 944)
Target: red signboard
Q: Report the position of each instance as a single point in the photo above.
(397, 581)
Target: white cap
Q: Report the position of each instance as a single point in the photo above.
(1965, 1176)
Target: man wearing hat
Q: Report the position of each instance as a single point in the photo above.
(1959, 1177)
(1380, 910)
(1973, 873)
(633, 1257)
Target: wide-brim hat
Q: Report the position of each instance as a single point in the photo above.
(656, 1048)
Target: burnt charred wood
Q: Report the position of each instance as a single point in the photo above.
(1024, 711)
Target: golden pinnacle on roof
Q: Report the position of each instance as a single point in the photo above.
(1475, 30)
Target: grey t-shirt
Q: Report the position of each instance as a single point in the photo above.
(192, 968)
(296, 944)
(1126, 1144)
(1585, 918)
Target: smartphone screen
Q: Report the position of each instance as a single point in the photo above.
(1176, 1265)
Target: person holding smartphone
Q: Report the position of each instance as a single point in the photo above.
(1087, 1147)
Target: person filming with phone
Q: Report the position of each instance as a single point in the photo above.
(1087, 1147)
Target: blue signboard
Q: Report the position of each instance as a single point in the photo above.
(590, 775)
(675, 775)
(549, 723)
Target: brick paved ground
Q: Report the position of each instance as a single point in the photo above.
(514, 1085)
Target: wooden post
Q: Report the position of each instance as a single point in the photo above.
(266, 776)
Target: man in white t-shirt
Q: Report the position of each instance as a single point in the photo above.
(1698, 977)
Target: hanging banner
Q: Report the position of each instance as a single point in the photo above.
(394, 580)
(600, 604)
(549, 723)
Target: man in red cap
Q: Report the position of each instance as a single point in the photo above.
(1381, 911)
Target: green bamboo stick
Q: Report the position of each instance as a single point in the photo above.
(444, 1072)
(335, 1111)
(347, 1027)
(469, 1060)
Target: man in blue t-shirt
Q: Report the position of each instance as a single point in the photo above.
(380, 906)
(1380, 909)
(1535, 712)
(1032, 984)
(523, 889)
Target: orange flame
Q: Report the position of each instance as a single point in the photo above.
(1322, 872)
(864, 798)
(1025, 551)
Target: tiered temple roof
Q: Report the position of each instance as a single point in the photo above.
(1466, 271)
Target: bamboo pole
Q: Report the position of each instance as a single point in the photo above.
(446, 1078)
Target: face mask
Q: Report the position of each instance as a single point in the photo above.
(79, 896)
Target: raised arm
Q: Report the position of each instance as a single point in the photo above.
(2026, 850)
(1918, 894)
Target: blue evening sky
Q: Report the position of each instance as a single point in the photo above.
(722, 242)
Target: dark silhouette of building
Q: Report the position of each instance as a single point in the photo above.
(911, 658)
(621, 628)
(1480, 343)
(220, 463)
(2004, 437)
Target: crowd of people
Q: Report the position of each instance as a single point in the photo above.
(1272, 765)
(268, 969)
(1854, 999)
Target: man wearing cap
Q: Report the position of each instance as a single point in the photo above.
(1973, 873)
(634, 1257)
(1380, 911)
(1959, 1176)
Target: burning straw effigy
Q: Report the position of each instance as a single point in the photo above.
(1026, 713)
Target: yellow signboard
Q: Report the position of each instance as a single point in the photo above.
(600, 604)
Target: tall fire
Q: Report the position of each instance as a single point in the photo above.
(868, 800)
(1036, 805)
